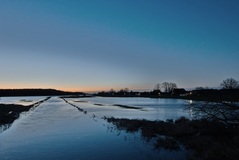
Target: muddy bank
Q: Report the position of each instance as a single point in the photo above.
(127, 107)
(80, 109)
(10, 112)
(203, 139)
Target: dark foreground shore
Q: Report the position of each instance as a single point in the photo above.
(10, 112)
(202, 138)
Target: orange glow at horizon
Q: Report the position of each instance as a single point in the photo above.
(70, 89)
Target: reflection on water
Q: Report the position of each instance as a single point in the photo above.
(57, 130)
(21, 100)
(153, 109)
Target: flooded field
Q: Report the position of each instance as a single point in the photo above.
(77, 130)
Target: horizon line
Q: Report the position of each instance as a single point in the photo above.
(93, 91)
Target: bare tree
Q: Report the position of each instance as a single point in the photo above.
(168, 86)
(226, 112)
(230, 83)
(157, 87)
(222, 106)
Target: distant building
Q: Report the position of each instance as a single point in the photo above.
(156, 93)
(179, 92)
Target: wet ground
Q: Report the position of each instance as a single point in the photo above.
(75, 130)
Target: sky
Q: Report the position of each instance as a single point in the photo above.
(93, 45)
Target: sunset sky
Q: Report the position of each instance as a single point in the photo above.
(92, 45)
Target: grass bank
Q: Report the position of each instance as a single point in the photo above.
(10, 112)
(202, 138)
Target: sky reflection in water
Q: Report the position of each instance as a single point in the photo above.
(56, 130)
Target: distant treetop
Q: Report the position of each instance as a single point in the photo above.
(230, 83)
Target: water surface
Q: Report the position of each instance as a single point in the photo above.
(152, 108)
(57, 130)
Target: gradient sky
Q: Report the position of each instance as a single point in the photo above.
(101, 44)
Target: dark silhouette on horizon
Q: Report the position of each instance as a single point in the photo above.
(35, 92)
(10, 112)
(228, 92)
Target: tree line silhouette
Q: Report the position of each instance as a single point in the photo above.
(229, 91)
(35, 92)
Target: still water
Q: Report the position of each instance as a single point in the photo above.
(57, 130)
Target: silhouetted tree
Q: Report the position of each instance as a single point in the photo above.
(35, 92)
(226, 112)
(124, 90)
(157, 87)
(230, 83)
(168, 86)
(222, 105)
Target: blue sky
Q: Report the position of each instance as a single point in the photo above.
(98, 45)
